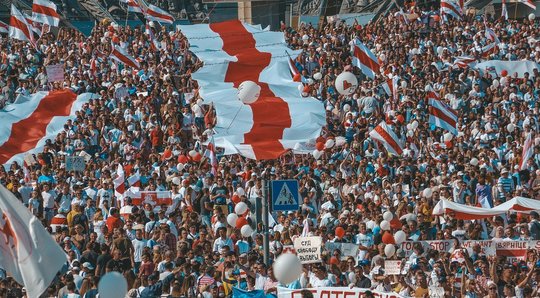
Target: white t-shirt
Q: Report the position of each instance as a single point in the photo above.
(138, 247)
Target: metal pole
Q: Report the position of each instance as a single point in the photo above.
(266, 240)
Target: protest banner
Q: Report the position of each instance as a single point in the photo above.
(487, 247)
(331, 292)
(308, 249)
(347, 249)
(75, 163)
(440, 245)
(513, 249)
(155, 198)
(55, 73)
(392, 267)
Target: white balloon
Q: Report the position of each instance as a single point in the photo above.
(389, 250)
(151, 24)
(287, 268)
(300, 87)
(382, 57)
(317, 154)
(439, 50)
(317, 76)
(340, 141)
(231, 219)
(400, 237)
(112, 285)
(246, 231)
(310, 81)
(502, 81)
(474, 161)
(532, 17)
(511, 127)
(346, 107)
(192, 153)
(410, 134)
(346, 83)
(388, 216)
(403, 84)
(409, 126)
(240, 208)
(385, 225)
(180, 167)
(428, 192)
(176, 181)
(495, 83)
(329, 143)
(248, 92)
(447, 137)
(414, 124)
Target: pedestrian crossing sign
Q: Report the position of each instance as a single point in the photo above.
(285, 196)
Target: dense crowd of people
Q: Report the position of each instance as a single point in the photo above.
(147, 120)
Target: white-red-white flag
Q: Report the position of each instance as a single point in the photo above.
(45, 12)
(18, 27)
(364, 59)
(384, 134)
(28, 253)
(134, 6)
(527, 153)
(440, 114)
(451, 7)
(157, 14)
(4, 28)
(529, 3)
(119, 186)
(120, 55)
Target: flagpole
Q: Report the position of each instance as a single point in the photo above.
(515, 10)
(127, 15)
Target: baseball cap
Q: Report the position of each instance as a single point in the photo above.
(88, 265)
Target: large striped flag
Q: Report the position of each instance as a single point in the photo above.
(4, 28)
(280, 118)
(134, 6)
(528, 151)
(45, 12)
(529, 3)
(488, 50)
(464, 61)
(451, 7)
(157, 14)
(18, 26)
(364, 59)
(384, 134)
(35, 119)
(440, 114)
(120, 55)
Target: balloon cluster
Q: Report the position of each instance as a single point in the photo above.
(387, 238)
(238, 218)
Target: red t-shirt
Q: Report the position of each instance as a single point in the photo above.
(114, 222)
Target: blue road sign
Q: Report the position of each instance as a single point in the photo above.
(285, 196)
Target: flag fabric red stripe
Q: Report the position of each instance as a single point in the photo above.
(441, 115)
(366, 60)
(23, 27)
(4, 27)
(26, 133)
(36, 8)
(124, 58)
(389, 139)
(251, 62)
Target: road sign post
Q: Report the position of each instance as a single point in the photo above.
(285, 195)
